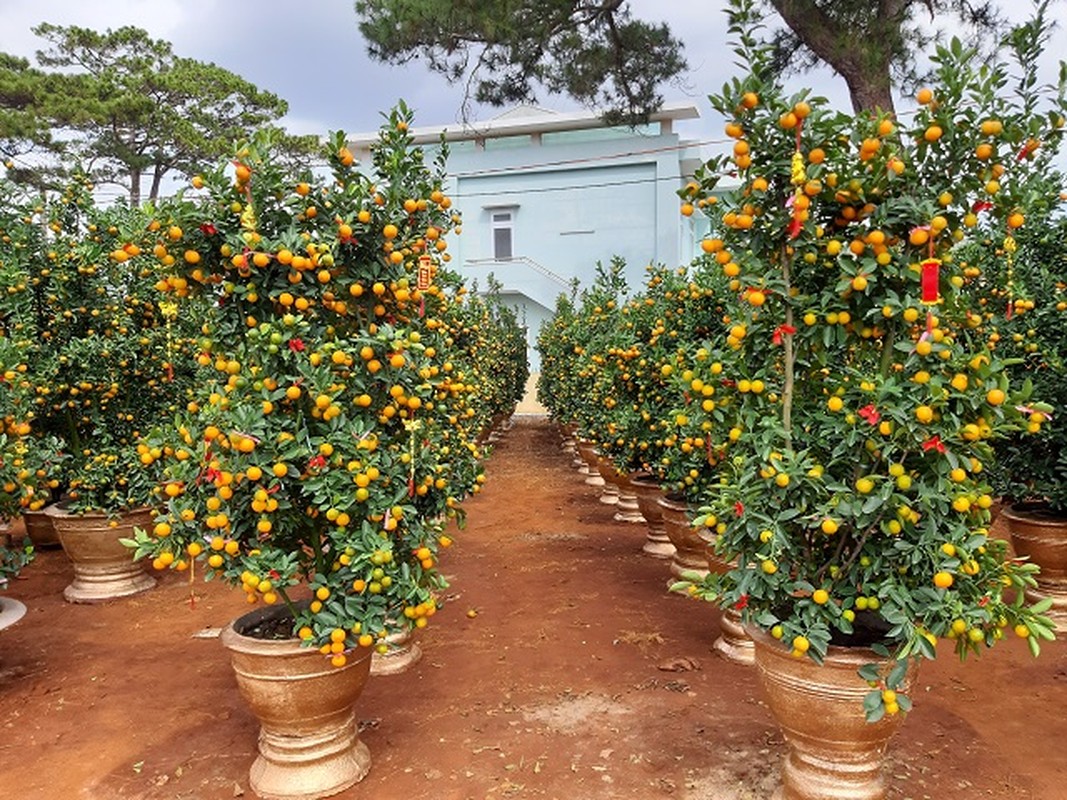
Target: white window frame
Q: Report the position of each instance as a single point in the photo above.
(501, 220)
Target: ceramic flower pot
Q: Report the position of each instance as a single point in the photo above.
(103, 567)
(834, 753)
(609, 492)
(627, 508)
(11, 610)
(689, 546)
(592, 463)
(1041, 536)
(309, 745)
(569, 443)
(403, 653)
(734, 643)
(40, 529)
(648, 494)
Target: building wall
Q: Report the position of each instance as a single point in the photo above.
(574, 200)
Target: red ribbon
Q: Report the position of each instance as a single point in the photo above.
(930, 280)
(780, 331)
(870, 414)
(934, 443)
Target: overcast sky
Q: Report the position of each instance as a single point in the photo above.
(310, 52)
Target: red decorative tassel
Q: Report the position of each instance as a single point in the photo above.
(931, 281)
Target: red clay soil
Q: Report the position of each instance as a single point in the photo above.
(542, 677)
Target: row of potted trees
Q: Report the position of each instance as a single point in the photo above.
(315, 389)
(89, 360)
(874, 372)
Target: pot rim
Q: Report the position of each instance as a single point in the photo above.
(1034, 512)
(61, 510)
(843, 655)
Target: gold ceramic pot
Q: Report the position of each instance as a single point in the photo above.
(609, 492)
(40, 529)
(648, 494)
(587, 450)
(103, 567)
(834, 753)
(1041, 536)
(309, 745)
(627, 509)
(734, 643)
(689, 545)
(403, 653)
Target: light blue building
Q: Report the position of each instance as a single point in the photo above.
(545, 195)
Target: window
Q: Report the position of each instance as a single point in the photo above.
(501, 222)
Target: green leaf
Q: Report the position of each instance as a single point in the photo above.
(926, 648)
(1042, 606)
(896, 675)
(869, 672)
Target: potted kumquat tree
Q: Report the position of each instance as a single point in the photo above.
(88, 360)
(853, 497)
(336, 433)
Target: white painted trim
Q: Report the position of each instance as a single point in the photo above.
(535, 125)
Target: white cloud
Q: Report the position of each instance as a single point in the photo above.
(311, 53)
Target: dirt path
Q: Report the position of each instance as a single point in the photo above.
(552, 689)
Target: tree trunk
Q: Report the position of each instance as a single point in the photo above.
(863, 64)
(869, 90)
(157, 178)
(135, 187)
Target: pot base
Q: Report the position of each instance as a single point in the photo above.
(689, 545)
(657, 543)
(402, 655)
(734, 644)
(309, 767)
(101, 586)
(658, 547)
(627, 509)
(834, 753)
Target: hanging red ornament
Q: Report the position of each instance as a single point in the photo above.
(931, 281)
(424, 276)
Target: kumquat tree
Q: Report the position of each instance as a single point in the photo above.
(853, 496)
(90, 358)
(631, 361)
(343, 374)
